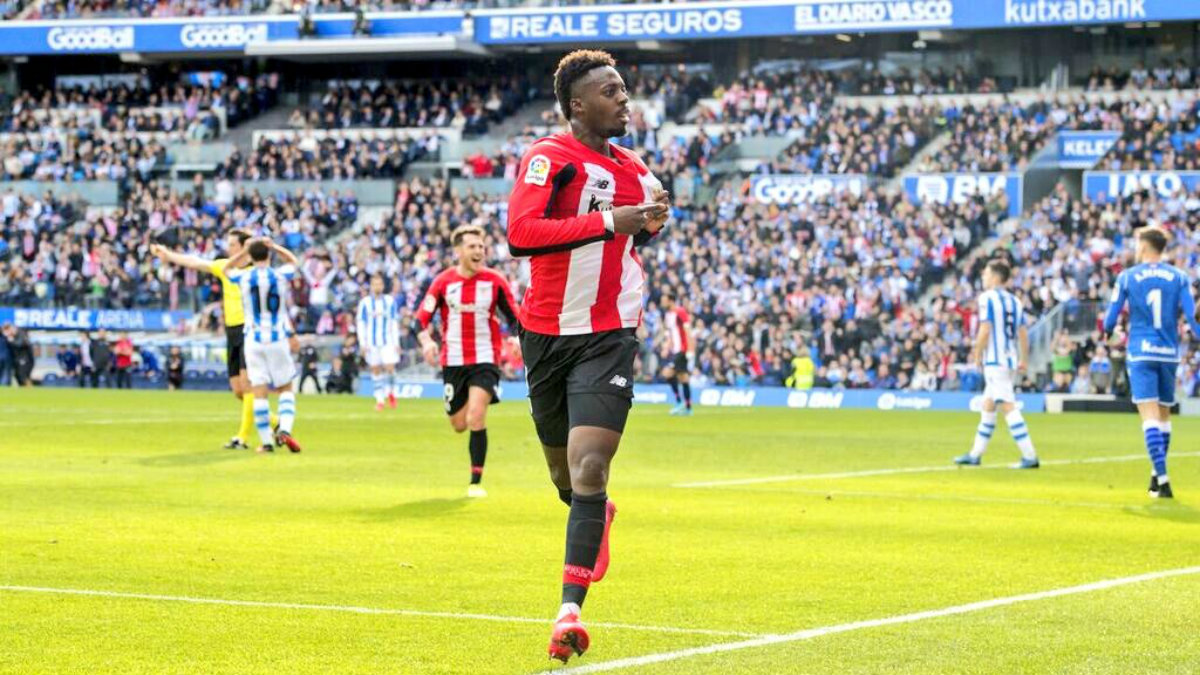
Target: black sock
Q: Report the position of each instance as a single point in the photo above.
(585, 530)
(478, 448)
(675, 388)
(565, 495)
(687, 394)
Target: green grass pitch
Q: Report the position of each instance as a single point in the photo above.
(130, 493)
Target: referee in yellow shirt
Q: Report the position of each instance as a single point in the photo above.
(231, 295)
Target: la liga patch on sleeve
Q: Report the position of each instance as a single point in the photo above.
(538, 171)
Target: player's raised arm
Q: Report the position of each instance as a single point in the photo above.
(289, 258)
(180, 259)
(1119, 296)
(238, 261)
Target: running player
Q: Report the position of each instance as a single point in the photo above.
(231, 307)
(378, 327)
(579, 206)
(1001, 350)
(269, 365)
(1157, 293)
(678, 372)
(467, 298)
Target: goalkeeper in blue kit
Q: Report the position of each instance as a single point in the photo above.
(1157, 294)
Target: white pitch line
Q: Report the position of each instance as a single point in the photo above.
(871, 494)
(811, 633)
(360, 610)
(179, 419)
(913, 469)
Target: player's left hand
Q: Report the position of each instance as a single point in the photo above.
(659, 196)
(1022, 367)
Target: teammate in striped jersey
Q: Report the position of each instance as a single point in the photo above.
(467, 298)
(269, 364)
(377, 323)
(678, 371)
(1001, 349)
(1159, 295)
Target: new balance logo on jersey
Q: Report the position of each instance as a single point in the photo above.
(619, 381)
(602, 184)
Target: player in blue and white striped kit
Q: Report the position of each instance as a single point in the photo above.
(1001, 349)
(377, 322)
(269, 364)
(1157, 294)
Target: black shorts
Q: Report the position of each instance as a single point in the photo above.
(579, 380)
(460, 379)
(235, 349)
(680, 363)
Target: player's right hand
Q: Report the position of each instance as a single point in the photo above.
(430, 352)
(633, 219)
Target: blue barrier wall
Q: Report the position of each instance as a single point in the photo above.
(762, 397)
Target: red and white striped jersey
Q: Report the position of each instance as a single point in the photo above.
(583, 278)
(468, 307)
(677, 328)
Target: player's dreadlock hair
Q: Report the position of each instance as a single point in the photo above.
(571, 68)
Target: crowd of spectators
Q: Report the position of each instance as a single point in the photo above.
(1157, 136)
(856, 140)
(91, 9)
(472, 106)
(1067, 252)
(1179, 75)
(54, 254)
(86, 156)
(303, 156)
(120, 132)
(923, 81)
(123, 107)
(1004, 135)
